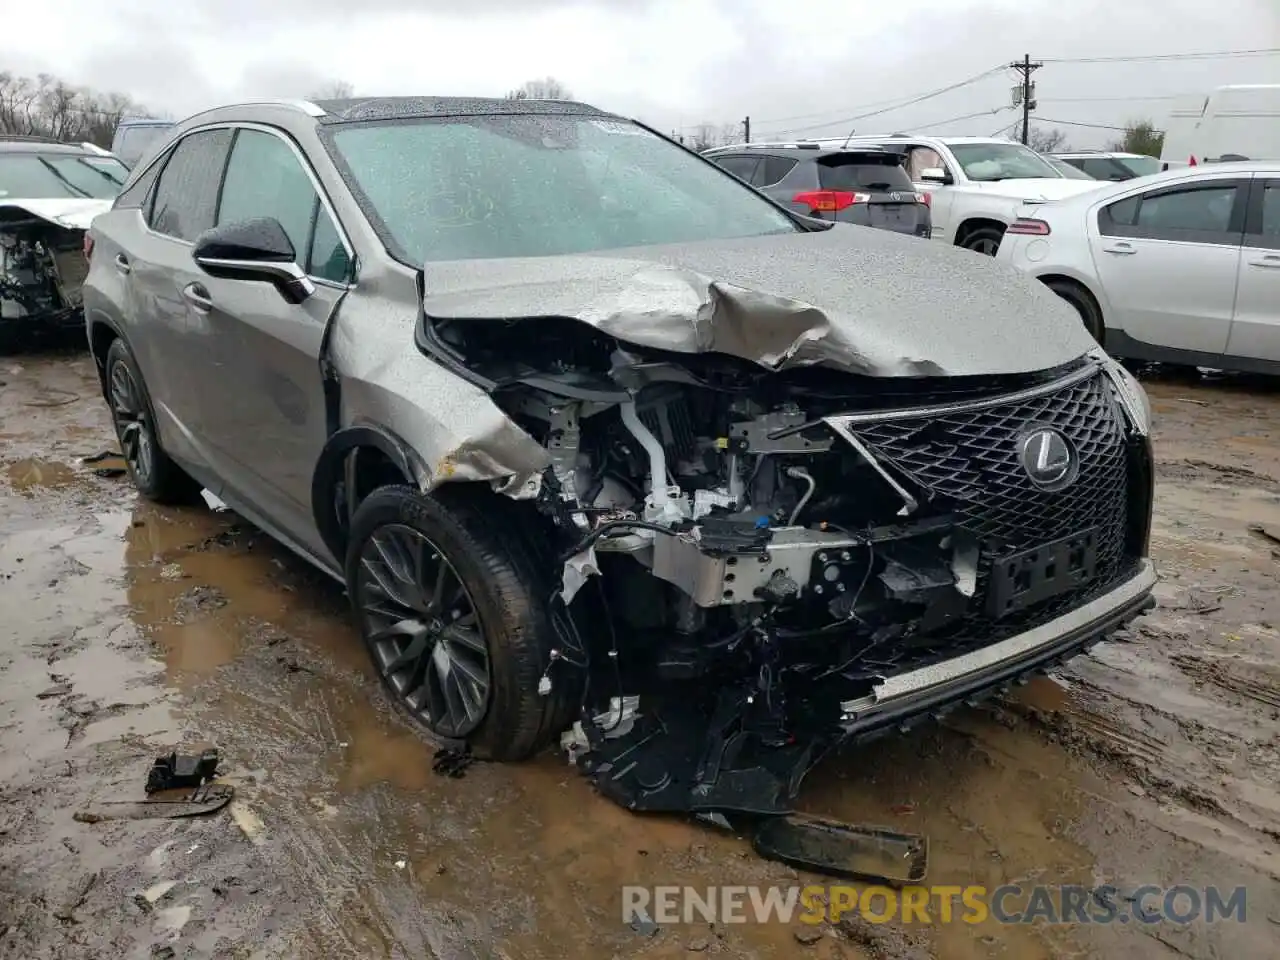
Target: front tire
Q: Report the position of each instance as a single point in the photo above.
(155, 475)
(453, 612)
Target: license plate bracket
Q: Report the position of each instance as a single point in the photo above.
(1020, 580)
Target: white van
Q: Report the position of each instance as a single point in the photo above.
(1238, 122)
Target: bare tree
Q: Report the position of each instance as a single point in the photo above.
(1047, 140)
(548, 88)
(707, 135)
(333, 90)
(47, 106)
(1140, 136)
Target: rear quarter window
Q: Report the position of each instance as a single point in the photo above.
(859, 173)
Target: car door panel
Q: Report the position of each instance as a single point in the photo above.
(273, 422)
(174, 341)
(1167, 260)
(1255, 327)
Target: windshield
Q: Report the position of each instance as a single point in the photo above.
(36, 176)
(1001, 161)
(1139, 166)
(131, 142)
(1067, 170)
(460, 188)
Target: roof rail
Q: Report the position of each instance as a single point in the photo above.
(306, 106)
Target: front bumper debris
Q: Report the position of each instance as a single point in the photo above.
(700, 756)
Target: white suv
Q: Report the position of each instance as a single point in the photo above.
(977, 183)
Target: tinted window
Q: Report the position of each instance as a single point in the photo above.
(328, 257)
(539, 185)
(265, 179)
(854, 173)
(1203, 209)
(1271, 210)
(186, 196)
(1125, 212)
(1139, 166)
(1102, 168)
(742, 167)
(774, 169)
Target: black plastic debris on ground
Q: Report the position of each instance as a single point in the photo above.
(179, 770)
(108, 463)
(450, 762)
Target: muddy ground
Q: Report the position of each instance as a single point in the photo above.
(129, 629)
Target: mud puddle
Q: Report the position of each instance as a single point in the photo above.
(131, 629)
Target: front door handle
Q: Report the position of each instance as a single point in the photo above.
(122, 263)
(196, 295)
(1120, 249)
(1271, 260)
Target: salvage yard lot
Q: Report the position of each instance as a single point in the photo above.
(129, 629)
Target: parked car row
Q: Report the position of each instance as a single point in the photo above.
(1181, 267)
(611, 449)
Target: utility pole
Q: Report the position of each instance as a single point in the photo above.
(1025, 92)
(746, 130)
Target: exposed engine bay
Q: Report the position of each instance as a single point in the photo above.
(747, 555)
(42, 270)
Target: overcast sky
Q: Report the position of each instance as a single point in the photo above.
(797, 68)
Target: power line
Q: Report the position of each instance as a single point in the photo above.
(967, 116)
(886, 104)
(1170, 96)
(1077, 123)
(895, 105)
(1151, 57)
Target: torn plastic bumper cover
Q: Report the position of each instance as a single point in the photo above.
(686, 757)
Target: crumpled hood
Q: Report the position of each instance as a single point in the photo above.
(851, 298)
(74, 214)
(1037, 188)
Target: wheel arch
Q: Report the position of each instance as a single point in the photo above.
(1076, 283)
(978, 222)
(387, 459)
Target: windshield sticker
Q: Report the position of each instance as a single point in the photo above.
(612, 126)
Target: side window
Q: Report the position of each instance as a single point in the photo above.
(138, 193)
(773, 169)
(1207, 208)
(1264, 218)
(742, 167)
(265, 179)
(1271, 209)
(920, 159)
(1099, 169)
(1123, 213)
(186, 196)
(1198, 213)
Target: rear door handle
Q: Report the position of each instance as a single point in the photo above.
(196, 295)
(122, 263)
(1120, 249)
(1271, 260)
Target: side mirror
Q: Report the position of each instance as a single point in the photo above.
(934, 175)
(256, 249)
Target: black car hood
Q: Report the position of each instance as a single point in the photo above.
(850, 298)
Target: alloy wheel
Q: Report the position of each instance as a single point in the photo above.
(422, 628)
(133, 426)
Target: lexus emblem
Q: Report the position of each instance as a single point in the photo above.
(1048, 458)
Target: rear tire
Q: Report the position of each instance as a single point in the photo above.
(984, 240)
(155, 475)
(1084, 305)
(453, 612)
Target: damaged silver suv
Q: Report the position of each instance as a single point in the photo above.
(609, 449)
